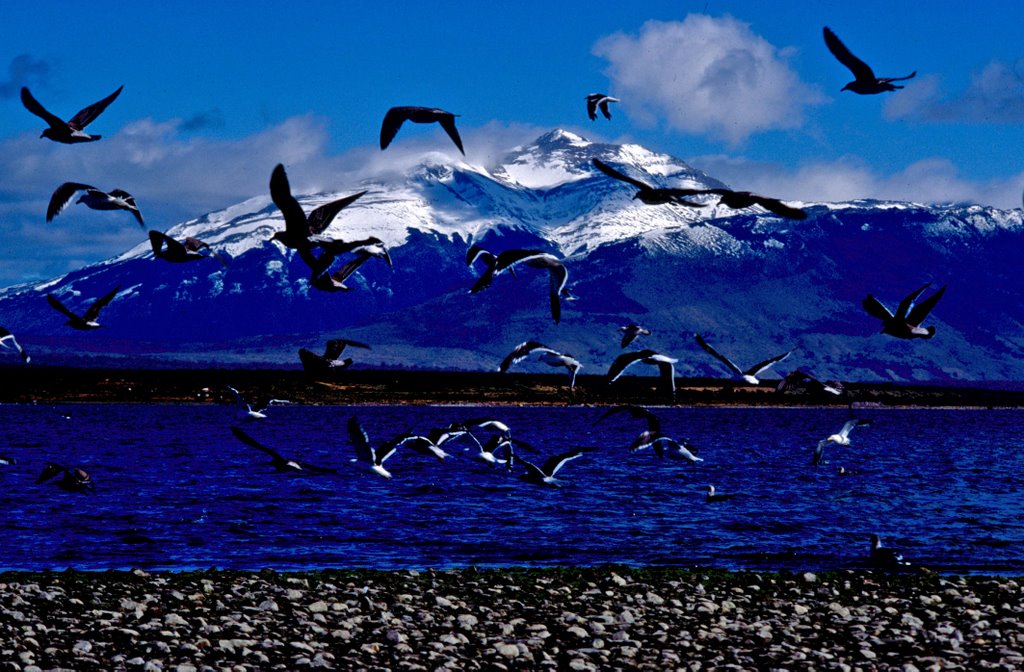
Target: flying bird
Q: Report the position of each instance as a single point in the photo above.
(72, 480)
(750, 375)
(302, 232)
(367, 456)
(396, 116)
(646, 193)
(637, 412)
(118, 199)
(177, 252)
(88, 320)
(280, 463)
(840, 438)
(801, 381)
(245, 412)
(558, 275)
(363, 250)
(906, 321)
(326, 281)
(738, 200)
(71, 131)
(884, 557)
(665, 446)
(7, 340)
(631, 332)
(546, 355)
(420, 444)
(665, 364)
(331, 359)
(865, 81)
(545, 474)
(599, 100)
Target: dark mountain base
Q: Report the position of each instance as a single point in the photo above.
(28, 384)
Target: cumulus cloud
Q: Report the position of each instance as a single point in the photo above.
(706, 75)
(24, 70)
(994, 95)
(933, 180)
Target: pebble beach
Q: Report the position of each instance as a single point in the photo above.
(607, 618)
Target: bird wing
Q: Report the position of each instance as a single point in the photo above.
(159, 240)
(604, 106)
(874, 308)
(360, 441)
(850, 424)
(611, 172)
(86, 115)
(281, 193)
(592, 106)
(553, 464)
(521, 352)
(509, 258)
(625, 360)
(907, 304)
(336, 346)
(558, 275)
(348, 269)
(667, 370)
(240, 401)
(55, 303)
(253, 443)
(320, 218)
(779, 208)
(393, 121)
(638, 412)
(194, 245)
(761, 366)
(448, 124)
(7, 337)
(62, 197)
(534, 471)
(475, 251)
(717, 355)
(94, 310)
(861, 71)
(629, 334)
(33, 106)
(921, 310)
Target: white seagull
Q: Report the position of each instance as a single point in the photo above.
(118, 199)
(545, 475)
(558, 275)
(840, 438)
(244, 411)
(664, 363)
(665, 447)
(7, 340)
(87, 321)
(546, 355)
(750, 375)
(366, 455)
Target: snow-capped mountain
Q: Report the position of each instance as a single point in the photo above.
(755, 284)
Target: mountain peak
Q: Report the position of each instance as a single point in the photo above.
(560, 136)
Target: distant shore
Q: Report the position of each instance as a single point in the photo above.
(604, 618)
(31, 384)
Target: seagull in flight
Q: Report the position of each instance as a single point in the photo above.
(397, 116)
(631, 332)
(245, 412)
(738, 200)
(600, 101)
(280, 463)
(906, 321)
(7, 340)
(331, 359)
(87, 321)
(646, 193)
(665, 446)
(865, 81)
(177, 252)
(118, 199)
(366, 455)
(664, 363)
(637, 412)
(840, 438)
(545, 474)
(750, 375)
(71, 131)
(558, 275)
(800, 381)
(547, 355)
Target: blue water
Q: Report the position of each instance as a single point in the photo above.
(175, 490)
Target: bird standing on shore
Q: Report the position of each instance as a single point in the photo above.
(906, 322)
(118, 199)
(71, 131)
(884, 557)
(396, 116)
(87, 321)
(865, 81)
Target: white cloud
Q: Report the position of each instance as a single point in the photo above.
(706, 75)
(995, 95)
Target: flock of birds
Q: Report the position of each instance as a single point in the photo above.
(332, 261)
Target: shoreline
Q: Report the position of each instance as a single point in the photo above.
(611, 617)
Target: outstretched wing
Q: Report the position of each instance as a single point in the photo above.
(320, 218)
(558, 275)
(874, 308)
(624, 361)
(33, 106)
(8, 339)
(158, 240)
(604, 106)
(717, 355)
(921, 310)
(99, 304)
(638, 412)
(761, 366)
(592, 106)
(553, 464)
(907, 304)
(448, 124)
(859, 68)
(56, 304)
(611, 172)
(667, 371)
(521, 352)
(779, 208)
(62, 197)
(360, 441)
(253, 443)
(850, 424)
(86, 115)
(393, 121)
(281, 193)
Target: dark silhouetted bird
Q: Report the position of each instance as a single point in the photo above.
(176, 252)
(883, 557)
(71, 131)
(630, 332)
(713, 496)
(599, 100)
(72, 480)
(88, 320)
(645, 192)
(745, 199)
(331, 359)
(280, 463)
(801, 381)
(906, 321)
(396, 116)
(865, 81)
(750, 375)
(118, 199)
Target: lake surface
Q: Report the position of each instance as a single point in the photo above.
(175, 490)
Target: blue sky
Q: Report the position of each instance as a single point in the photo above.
(217, 93)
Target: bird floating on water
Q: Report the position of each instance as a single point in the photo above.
(546, 355)
(118, 199)
(88, 320)
(396, 116)
(713, 496)
(646, 193)
(865, 81)
(71, 131)
(906, 322)
(750, 375)
(665, 364)
(177, 252)
(72, 480)
(7, 340)
(600, 101)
